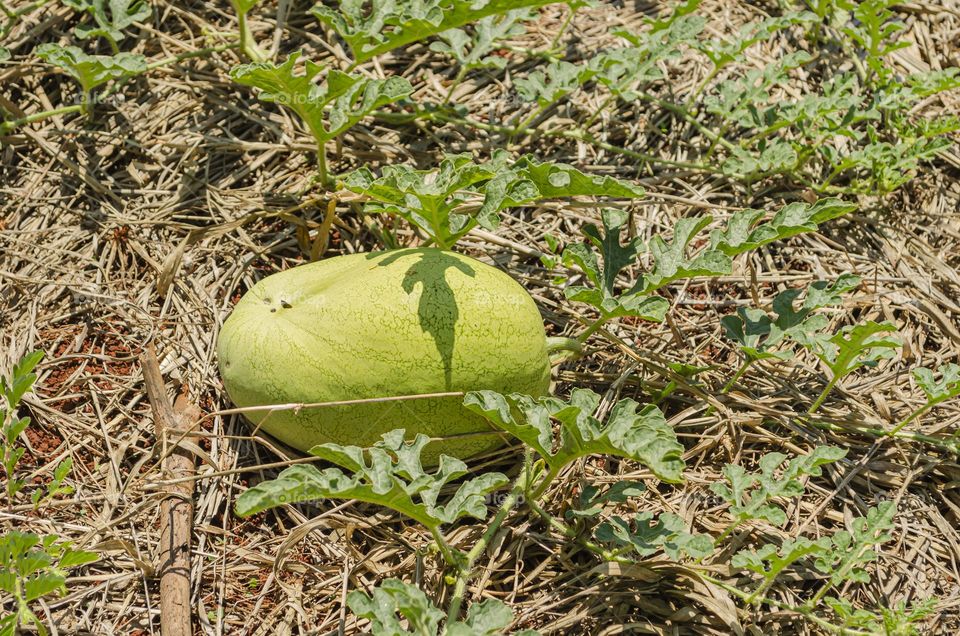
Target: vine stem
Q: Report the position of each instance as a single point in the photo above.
(466, 568)
(521, 128)
(247, 44)
(173, 59)
(920, 411)
(322, 163)
(560, 348)
(803, 610)
(823, 396)
(599, 322)
(602, 107)
(736, 376)
(7, 126)
(13, 16)
(455, 83)
(563, 28)
(446, 551)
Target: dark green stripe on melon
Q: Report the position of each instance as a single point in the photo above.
(377, 325)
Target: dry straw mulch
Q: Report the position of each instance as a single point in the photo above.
(91, 215)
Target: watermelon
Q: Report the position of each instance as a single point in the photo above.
(380, 325)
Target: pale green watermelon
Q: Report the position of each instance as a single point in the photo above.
(383, 324)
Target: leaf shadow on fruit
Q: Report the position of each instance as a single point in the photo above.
(436, 299)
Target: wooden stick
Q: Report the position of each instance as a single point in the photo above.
(176, 509)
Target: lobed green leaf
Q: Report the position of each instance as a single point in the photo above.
(92, 70)
(630, 430)
(646, 535)
(390, 474)
(375, 27)
(394, 600)
(327, 110)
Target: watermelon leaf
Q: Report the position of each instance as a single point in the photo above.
(442, 202)
(603, 272)
(769, 562)
(758, 335)
(742, 233)
(670, 261)
(852, 347)
(389, 474)
(626, 70)
(92, 71)
(602, 258)
(393, 597)
(110, 18)
(751, 495)
(937, 391)
(471, 52)
(428, 199)
(591, 500)
(348, 98)
(646, 535)
(630, 430)
(724, 52)
(947, 387)
(852, 550)
(373, 28)
(552, 83)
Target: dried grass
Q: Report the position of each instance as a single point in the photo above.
(93, 215)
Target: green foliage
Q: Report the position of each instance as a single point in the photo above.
(12, 426)
(873, 30)
(32, 567)
(92, 71)
(937, 391)
(860, 133)
(898, 620)
(373, 28)
(751, 495)
(529, 181)
(769, 562)
(327, 110)
(55, 487)
(552, 83)
(602, 271)
(854, 346)
(591, 500)
(721, 53)
(630, 430)
(247, 44)
(603, 258)
(390, 474)
(394, 597)
(646, 535)
(472, 51)
(851, 551)
(429, 199)
(625, 71)
(13, 390)
(841, 557)
(760, 336)
(947, 387)
(439, 201)
(110, 18)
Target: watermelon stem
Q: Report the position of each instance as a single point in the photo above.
(560, 348)
(466, 568)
